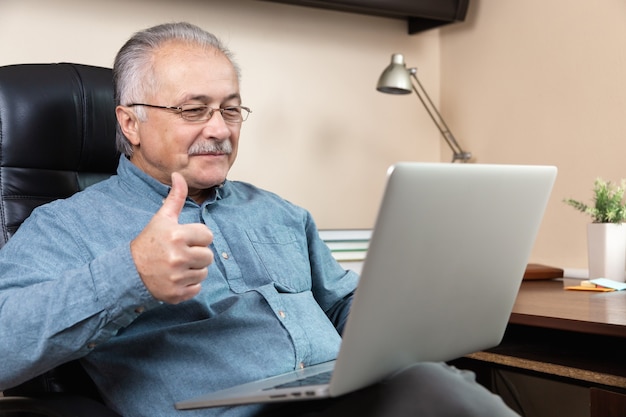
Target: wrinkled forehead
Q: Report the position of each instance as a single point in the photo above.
(181, 56)
(182, 69)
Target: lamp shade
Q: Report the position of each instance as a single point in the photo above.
(395, 79)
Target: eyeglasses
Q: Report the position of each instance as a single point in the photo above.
(202, 112)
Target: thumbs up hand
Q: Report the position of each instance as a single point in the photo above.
(172, 259)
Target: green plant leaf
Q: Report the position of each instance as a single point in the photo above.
(608, 198)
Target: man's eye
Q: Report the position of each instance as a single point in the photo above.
(232, 111)
(194, 110)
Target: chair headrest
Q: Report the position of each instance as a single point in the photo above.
(57, 135)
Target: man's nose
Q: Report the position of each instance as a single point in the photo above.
(218, 126)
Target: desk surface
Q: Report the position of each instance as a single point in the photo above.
(547, 304)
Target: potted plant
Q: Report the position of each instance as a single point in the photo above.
(606, 235)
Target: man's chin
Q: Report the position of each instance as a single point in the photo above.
(207, 182)
(203, 174)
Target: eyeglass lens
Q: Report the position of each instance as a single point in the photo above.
(197, 112)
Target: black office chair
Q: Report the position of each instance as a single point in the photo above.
(57, 136)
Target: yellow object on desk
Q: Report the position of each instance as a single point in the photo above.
(589, 286)
(583, 288)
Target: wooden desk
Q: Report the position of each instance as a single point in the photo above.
(574, 336)
(547, 304)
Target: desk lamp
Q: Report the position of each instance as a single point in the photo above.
(396, 79)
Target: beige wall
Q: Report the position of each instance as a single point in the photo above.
(533, 81)
(541, 82)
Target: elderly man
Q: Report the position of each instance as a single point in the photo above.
(168, 280)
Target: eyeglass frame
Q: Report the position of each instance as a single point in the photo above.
(180, 110)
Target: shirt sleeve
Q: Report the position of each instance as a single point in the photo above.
(58, 300)
(333, 286)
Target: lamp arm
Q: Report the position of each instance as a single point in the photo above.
(459, 154)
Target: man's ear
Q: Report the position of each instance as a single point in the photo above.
(128, 122)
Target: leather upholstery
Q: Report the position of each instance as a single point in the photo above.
(57, 135)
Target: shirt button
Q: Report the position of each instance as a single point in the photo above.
(140, 310)
(282, 314)
(301, 365)
(91, 345)
(224, 255)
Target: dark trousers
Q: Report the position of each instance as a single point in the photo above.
(424, 390)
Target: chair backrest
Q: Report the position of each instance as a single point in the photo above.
(57, 136)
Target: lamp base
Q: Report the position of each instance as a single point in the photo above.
(462, 156)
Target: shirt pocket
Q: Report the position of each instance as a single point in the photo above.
(284, 257)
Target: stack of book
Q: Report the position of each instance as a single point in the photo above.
(348, 246)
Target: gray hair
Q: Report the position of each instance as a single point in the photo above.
(133, 77)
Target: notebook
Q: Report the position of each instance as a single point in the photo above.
(445, 261)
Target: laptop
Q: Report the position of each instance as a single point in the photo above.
(445, 261)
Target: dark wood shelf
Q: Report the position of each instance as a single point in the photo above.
(420, 15)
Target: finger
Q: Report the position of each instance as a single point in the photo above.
(191, 277)
(192, 290)
(200, 257)
(175, 200)
(197, 234)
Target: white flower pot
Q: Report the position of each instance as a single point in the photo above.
(606, 246)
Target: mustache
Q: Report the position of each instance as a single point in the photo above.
(211, 146)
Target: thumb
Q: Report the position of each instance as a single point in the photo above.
(175, 201)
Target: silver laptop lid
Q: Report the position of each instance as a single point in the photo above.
(446, 258)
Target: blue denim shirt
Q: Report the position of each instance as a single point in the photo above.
(272, 302)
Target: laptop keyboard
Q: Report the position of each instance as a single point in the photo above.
(317, 379)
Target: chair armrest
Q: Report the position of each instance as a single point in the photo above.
(56, 405)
